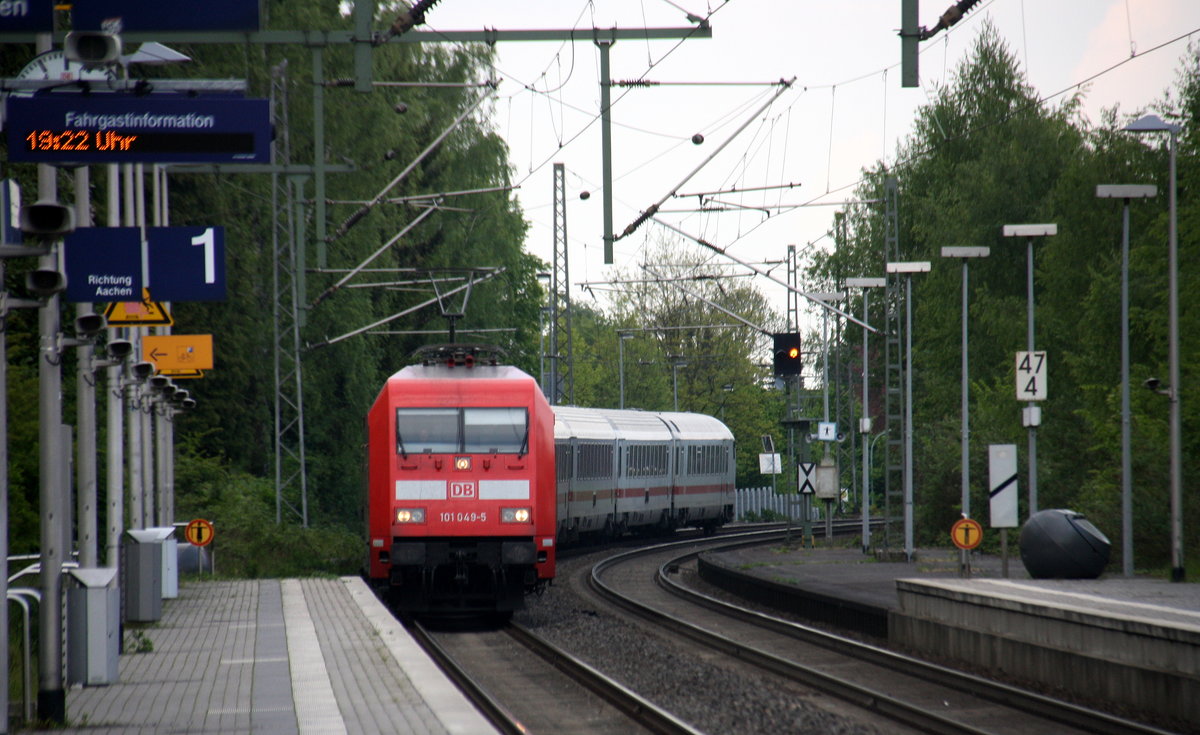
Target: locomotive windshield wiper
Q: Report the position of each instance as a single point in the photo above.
(400, 441)
(524, 443)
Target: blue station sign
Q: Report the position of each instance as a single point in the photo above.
(165, 15)
(115, 128)
(174, 264)
(186, 263)
(103, 264)
(26, 15)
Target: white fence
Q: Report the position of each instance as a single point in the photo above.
(754, 500)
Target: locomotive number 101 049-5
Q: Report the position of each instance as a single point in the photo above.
(451, 517)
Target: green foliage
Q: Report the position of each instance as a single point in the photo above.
(986, 152)
(248, 542)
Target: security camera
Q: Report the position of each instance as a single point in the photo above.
(99, 48)
(46, 219)
(142, 370)
(44, 282)
(1152, 383)
(159, 382)
(119, 349)
(89, 325)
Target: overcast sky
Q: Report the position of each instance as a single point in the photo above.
(845, 111)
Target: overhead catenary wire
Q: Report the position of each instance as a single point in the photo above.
(768, 276)
(784, 85)
(378, 199)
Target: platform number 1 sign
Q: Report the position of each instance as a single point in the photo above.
(1031, 376)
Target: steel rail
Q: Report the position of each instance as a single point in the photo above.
(495, 712)
(865, 697)
(637, 708)
(1049, 708)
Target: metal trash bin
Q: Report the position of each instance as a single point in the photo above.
(143, 575)
(93, 617)
(170, 561)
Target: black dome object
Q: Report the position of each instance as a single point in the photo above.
(1063, 544)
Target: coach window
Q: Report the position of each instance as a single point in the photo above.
(494, 430)
(426, 430)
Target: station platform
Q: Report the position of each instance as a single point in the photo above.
(1129, 640)
(273, 656)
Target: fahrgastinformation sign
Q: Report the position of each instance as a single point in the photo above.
(118, 128)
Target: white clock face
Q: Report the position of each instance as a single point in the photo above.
(55, 66)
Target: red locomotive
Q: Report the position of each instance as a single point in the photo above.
(461, 492)
(464, 502)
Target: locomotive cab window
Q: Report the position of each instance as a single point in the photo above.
(495, 430)
(456, 430)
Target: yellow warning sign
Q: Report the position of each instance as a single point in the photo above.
(178, 351)
(144, 313)
(182, 373)
(966, 533)
(199, 532)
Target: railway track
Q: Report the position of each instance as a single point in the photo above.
(922, 696)
(524, 684)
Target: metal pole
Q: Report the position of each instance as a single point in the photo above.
(1177, 568)
(866, 460)
(606, 145)
(963, 567)
(1126, 458)
(4, 651)
(115, 476)
(621, 365)
(52, 702)
(908, 431)
(85, 408)
(675, 383)
(1033, 499)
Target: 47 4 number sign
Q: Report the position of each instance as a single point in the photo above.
(1031, 376)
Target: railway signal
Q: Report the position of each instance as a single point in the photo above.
(787, 353)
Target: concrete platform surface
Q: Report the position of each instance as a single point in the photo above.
(849, 574)
(273, 656)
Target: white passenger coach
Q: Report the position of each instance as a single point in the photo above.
(621, 471)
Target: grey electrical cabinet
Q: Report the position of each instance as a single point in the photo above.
(93, 627)
(143, 575)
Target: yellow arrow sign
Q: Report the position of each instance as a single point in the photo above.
(178, 351)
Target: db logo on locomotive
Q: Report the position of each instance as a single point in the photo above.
(462, 490)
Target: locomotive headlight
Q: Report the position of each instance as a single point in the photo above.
(410, 515)
(514, 515)
(462, 463)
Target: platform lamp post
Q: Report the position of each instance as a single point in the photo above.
(864, 423)
(908, 268)
(621, 337)
(965, 253)
(1147, 124)
(1032, 415)
(1126, 192)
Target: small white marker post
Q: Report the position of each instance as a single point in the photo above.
(1002, 493)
